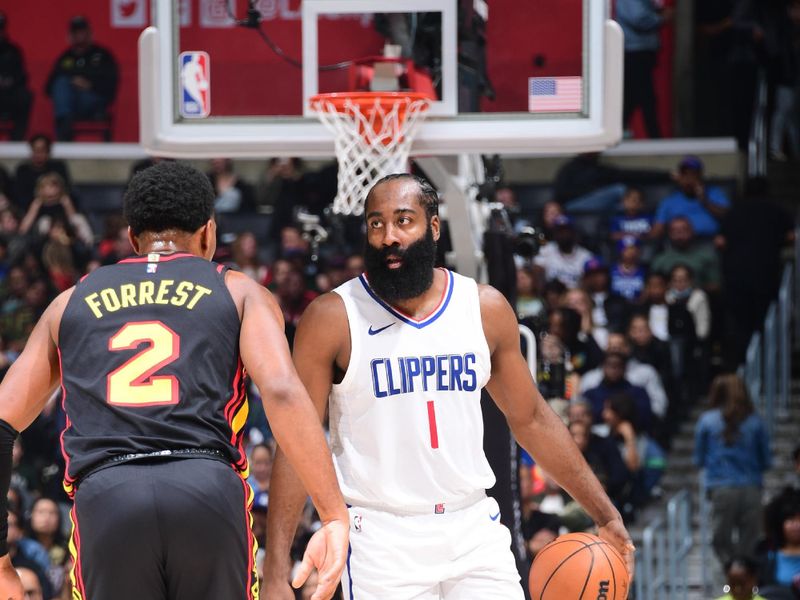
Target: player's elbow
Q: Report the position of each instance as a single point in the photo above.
(282, 391)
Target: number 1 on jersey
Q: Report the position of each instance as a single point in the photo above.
(432, 425)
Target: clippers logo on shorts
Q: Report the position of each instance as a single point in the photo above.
(438, 509)
(195, 84)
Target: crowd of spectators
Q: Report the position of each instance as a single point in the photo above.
(626, 324)
(82, 82)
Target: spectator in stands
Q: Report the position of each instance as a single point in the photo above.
(782, 562)
(31, 585)
(115, 245)
(780, 23)
(293, 297)
(45, 527)
(506, 196)
(636, 372)
(583, 184)
(233, 193)
(654, 304)
(550, 212)
(628, 274)
(642, 455)
(648, 349)
(753, 236)
(682, 294)
(684, 249)
(689, 314)
(583, 352)
(261, 457)
(15, 97)
(52, 203)
(741, 574)
(614, 382)
(563, 258)
(553, 294)
(529, 301)
(601, 453)
(539, 529)
(83, 80)
(704, 205)
(39, 163)
(16, 317)
(579, 300)
(633, 221)
(732, 445)
(27, 553)
(245, 255)
(610, 310)
(641, 22)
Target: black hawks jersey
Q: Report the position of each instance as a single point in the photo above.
(149, 352)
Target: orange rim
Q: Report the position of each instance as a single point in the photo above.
(386, 99)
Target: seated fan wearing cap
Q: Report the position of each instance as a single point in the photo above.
(704, 205)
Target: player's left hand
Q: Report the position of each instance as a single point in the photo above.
(614, 533)
(327, 552)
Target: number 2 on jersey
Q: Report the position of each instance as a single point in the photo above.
(134, 383)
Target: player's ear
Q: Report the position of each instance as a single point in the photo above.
(208, 239)
(435, 227)
(133, 240)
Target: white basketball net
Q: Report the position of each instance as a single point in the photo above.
(371, 141)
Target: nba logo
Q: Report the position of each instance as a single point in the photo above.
(438, 509)
(195, 84)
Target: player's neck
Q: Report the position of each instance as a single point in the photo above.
(421, 306)
(164, 243)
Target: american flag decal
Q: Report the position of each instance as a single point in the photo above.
(555, 94)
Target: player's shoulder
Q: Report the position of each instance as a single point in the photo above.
(492, 301)
(327, 308)
(55, 312)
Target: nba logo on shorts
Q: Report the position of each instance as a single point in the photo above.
(195, 84)
(357, 520)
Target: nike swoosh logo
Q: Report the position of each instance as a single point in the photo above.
(494, 518)
(372, 331)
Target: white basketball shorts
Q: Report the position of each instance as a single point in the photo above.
(457, 555)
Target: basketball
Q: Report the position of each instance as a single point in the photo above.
(580, 566)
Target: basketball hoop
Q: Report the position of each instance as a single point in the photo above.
(373, 135)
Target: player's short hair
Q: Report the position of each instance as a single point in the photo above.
(427, 196)
(168, 195)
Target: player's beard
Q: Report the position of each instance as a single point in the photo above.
(414, 276)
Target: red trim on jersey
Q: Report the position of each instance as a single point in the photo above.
(69, 480)
(84, 277)
(161, 258)
(447, 284)
(219, 268)
(238, 398)
(249, 496)
(76, 540)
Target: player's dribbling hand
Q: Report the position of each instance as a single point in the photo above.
(327, 552)
(614, 533)
(10, 584)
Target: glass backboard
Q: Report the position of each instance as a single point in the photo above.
(234, 78)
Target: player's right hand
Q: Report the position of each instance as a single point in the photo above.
(327, 552)
(10, 584)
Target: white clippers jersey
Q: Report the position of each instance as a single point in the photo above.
(406, 424)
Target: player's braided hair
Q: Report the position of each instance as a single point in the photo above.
(168, 195)
(428, 197)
